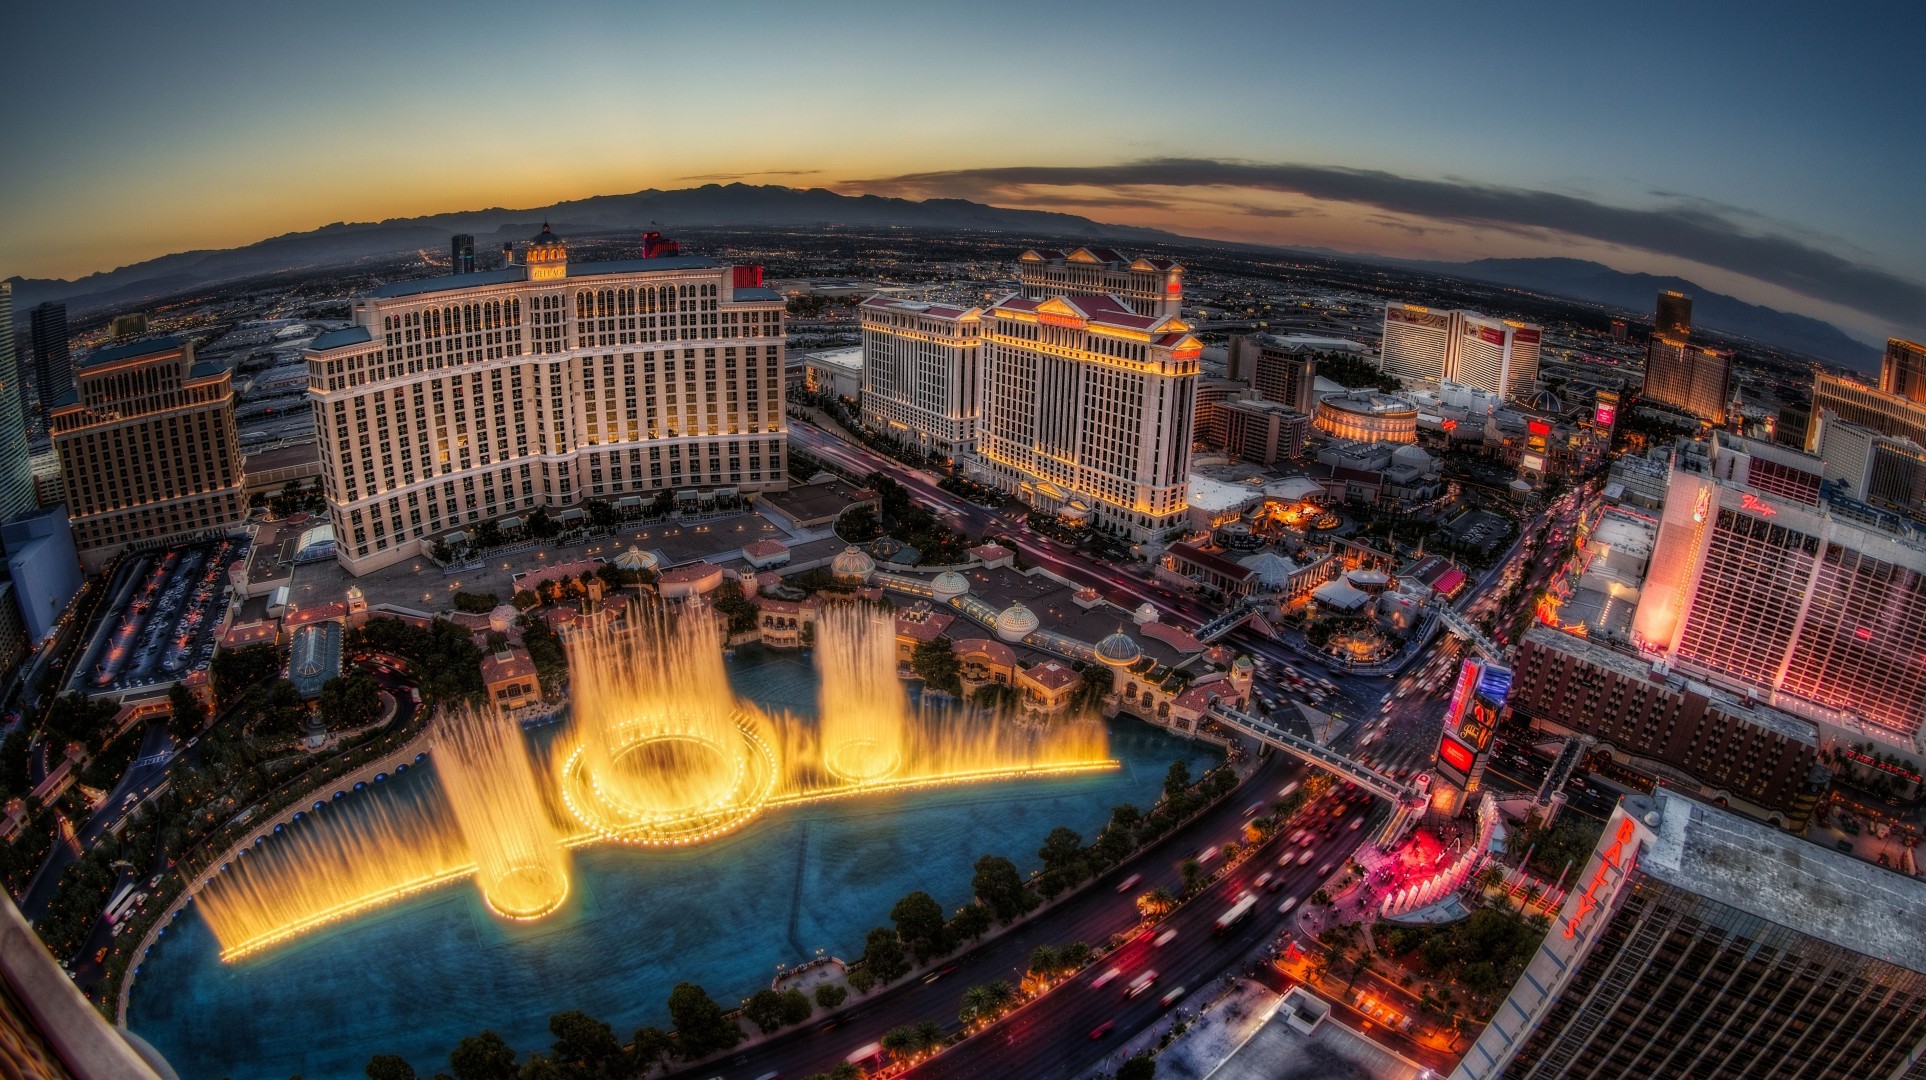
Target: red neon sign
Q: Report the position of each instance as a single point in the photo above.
(1455, 754)
(1756, 505)
(1588, 902)
(1461, 693)
(1538, 427)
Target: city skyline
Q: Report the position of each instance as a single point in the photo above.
(1787, 188)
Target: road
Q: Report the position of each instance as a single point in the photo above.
(1093, 915)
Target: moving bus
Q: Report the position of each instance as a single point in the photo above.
(1236, 913)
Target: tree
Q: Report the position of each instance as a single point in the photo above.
(1044, 960)
(900, 1042)
(648, 1047)
(929, 1034)
(1156, 903)
(830, 996)
(1141, 1067)
(1176, 781)
(482, 1057)
(883, 955)
(862, 980)
(1062, 850)
(187, 713)
(233, 673)
(992, 696)
(919, 922)
(971, 921)
(998, 887)
(978, 1003)
(389, 1067)
(795, 1007)
(764, 1009)
(1193, 872)
(350, 701)
(742, 613)
(700, 1026)
(936, 662)
(1095, 684)
(584, 1044)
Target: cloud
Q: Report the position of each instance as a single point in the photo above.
(1685, 228)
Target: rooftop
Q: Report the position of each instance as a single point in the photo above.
(128, 351)
(1785, 879)
(446, 283)
(336, 339)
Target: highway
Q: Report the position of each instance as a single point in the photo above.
(1092, 915)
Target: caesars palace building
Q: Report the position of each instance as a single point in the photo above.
(478, 396)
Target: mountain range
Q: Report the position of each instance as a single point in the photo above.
(745, 205)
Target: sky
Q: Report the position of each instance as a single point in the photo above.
(1773, 151)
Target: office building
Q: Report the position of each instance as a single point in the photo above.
(1263, 432)
(1152, 288)
(148, 454)
(1659, 723)
(1087, 410)
(1761, 583)
(484, 396)
(1278, 368)
(1699, 943)
(1691, 378)
(1883, 470)
(461, 254)
(43, 565)
(1674, 317)
(127, 326)
(1419, 343)
(1903, 370)
(16, 471)
(1499, 356)
(922, 373)
(53, 369)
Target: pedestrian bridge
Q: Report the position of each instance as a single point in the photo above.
(1344, 768)
(1471, 635)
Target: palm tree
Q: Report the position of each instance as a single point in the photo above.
(1158, 901)
(1193, 872)
(1003, 993)
(929, 1035)
(978, 1003)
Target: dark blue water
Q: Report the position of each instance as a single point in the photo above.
(415, 977)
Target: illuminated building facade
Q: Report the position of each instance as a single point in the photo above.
(461, 254)
(1663, 725)
(1697, 942)
(1498, 356)
(1903, 371)
(1152, 288)
(53, 366)
(1883, 470)
(1688, 377)
(465, 398)
(1418, 342)
(1278, 369)
(16, 471)
(1087, 410)
(1674, 315)
(148, 452)
(1758, 582)
(1263, 432)
(922, 373)
(1478, 700)
(1367, 417)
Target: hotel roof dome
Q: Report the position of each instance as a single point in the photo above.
(949, 583)
(1118, 650)
(1016, 622)
(1145, 613)
(853, 563)
(636, 559)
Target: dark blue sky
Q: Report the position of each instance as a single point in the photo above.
(1771, 150)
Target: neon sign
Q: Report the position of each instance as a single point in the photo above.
(1756, 505)
(1460, 694)
(1609, 859)
(1456, 754)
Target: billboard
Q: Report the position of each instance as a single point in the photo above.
(1457, 756)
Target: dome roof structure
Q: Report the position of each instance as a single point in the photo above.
(636, 559)
(1016, 622)
(949, 583)
(854, 564)
(1273, 570)
(545, 236)
(1544, 401)
(1119, 650)
(1145, 613)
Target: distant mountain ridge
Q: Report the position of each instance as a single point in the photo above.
(1638, 293)
(706, 206)
(747, 205)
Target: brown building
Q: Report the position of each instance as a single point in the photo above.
(1904, 370)
(1279, 369)
(1758, 758)
(147, 447)
(509, 677)
(1688, 377)
(1263, 432)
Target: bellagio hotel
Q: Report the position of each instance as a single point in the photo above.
(480, 396)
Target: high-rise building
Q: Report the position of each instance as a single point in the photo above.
(1619, 331)
(1759, 582)
(1419, 343)
(1854, 401)
(1207, 420)
(53, 369)
(1903, 370)
(1688, 377)
(1153, 288)
(148, 452)
(457, 400)
(1883, 470)
(1279, 369)
(1263, 432)
(16, 471)
(1087, 410)
(1674, 318)
(131, 325)
(922, 374)
(1499, 356)
(1700, 943)
(461, 254)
